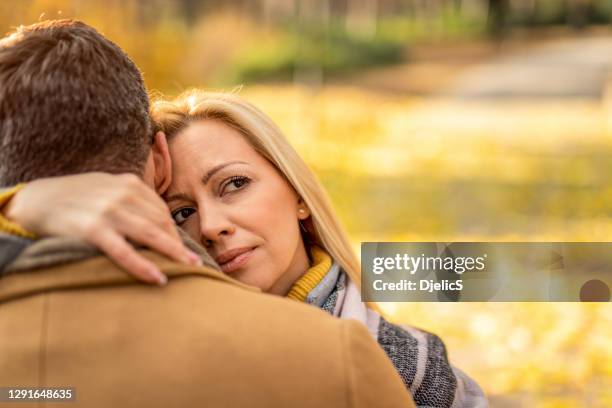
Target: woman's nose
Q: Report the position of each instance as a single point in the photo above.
(214, 226)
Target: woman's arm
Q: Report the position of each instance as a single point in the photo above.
(105, 210)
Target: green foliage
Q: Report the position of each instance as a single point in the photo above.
(333, 50)
(447, 25)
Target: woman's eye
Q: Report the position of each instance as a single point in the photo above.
(180, 216)
(235, 183)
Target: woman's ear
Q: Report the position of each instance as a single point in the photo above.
(302, 210)
(162, 162)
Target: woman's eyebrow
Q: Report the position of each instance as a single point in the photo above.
(205, 179)
(176, 197)
(218, 167)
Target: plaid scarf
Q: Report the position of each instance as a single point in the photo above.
(418, 356)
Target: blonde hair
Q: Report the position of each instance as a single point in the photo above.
(267, 139)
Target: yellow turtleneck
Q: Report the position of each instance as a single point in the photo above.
(321, 262)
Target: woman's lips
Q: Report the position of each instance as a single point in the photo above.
(234, 259)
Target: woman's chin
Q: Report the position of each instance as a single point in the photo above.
(251, 278)
(253, 275)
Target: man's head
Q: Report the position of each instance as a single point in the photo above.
(71, 101)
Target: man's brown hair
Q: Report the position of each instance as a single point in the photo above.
(71, 101)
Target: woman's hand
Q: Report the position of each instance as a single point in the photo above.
(105, 210)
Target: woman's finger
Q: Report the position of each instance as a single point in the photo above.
(147, 204)
(124, 255)
(143, 217)
(151, 235)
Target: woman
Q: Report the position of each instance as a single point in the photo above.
(240, 190)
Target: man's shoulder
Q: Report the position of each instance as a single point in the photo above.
(201, 331)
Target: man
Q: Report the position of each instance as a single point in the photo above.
(71, 102)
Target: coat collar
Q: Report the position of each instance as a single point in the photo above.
(66, 263)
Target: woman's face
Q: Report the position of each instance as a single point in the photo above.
(232, 200)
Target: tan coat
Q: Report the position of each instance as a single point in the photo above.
(204, 340)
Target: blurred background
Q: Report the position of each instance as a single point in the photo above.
(441, 120)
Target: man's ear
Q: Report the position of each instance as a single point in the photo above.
(162, 162)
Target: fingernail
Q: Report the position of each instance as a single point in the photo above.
(159, 277)
(194, 258)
